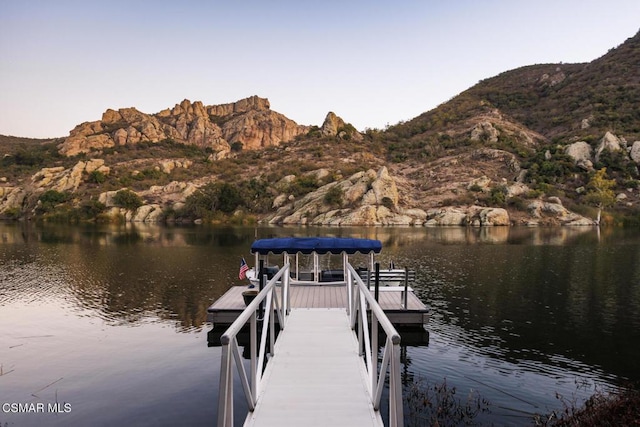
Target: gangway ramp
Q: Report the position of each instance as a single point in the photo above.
(321, 369)
(316, 377)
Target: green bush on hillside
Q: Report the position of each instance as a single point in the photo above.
(127, 199)
(51, 199)
(334, 197)
(303, 185)
(211, 198)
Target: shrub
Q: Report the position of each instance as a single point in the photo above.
(12, 213)
(212, 198)
(334, 196)
(617, 408)
(256, 195)
(437, 405)
(127, 199)
(91, 209)
(498, 195)
(50, 199)
(303, 185)
(97, 177)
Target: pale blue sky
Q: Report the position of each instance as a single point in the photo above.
(373, 63)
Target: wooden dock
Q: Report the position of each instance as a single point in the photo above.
(316, 378)
(229, 306)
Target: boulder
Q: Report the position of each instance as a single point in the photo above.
(484, 131)
(517, 189)
(555, 213)
(608, 142)
(483, 183)
(494, 217)
(148, 213)
(634, 153)
(106, 198)
(447, 216)
(331, 124)
(579, 151)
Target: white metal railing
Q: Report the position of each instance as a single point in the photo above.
(231, 352)
(359, 297)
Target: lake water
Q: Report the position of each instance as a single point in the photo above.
(107, 326)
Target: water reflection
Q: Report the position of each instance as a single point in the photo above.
(520, 310)
(133, 234)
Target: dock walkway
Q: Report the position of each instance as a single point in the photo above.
(317, 377)
(322, 368)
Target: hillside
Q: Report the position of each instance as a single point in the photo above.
(522, 147)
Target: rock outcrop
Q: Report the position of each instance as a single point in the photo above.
(552, 211)
(61, 179)
(373, 198)
(476, 216)
(335, 126)
(484, 131)
(367, 198)
(260, 129)
(11, 199)
(248, 122)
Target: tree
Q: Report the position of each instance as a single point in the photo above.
(213, 197)
(600, 191)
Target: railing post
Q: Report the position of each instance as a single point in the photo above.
(374, 352)
(396, 416)
(272, 322)
(349, 284)
(262, 278)
(406, 287)
(286, 299)
(377, 282)
(253, 342)
(225, 398)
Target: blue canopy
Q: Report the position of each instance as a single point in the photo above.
(321, 245)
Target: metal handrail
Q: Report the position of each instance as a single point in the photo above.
(230, 345)
(359, 298)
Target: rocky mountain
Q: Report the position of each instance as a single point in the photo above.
(246, 124)
(543, 144)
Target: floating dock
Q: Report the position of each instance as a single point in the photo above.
(226, 309)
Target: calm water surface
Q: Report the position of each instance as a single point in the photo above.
(109, 324)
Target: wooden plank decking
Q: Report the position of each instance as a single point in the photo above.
(229, 306)
(316, 377)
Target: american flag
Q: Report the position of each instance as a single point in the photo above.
(243, 270)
